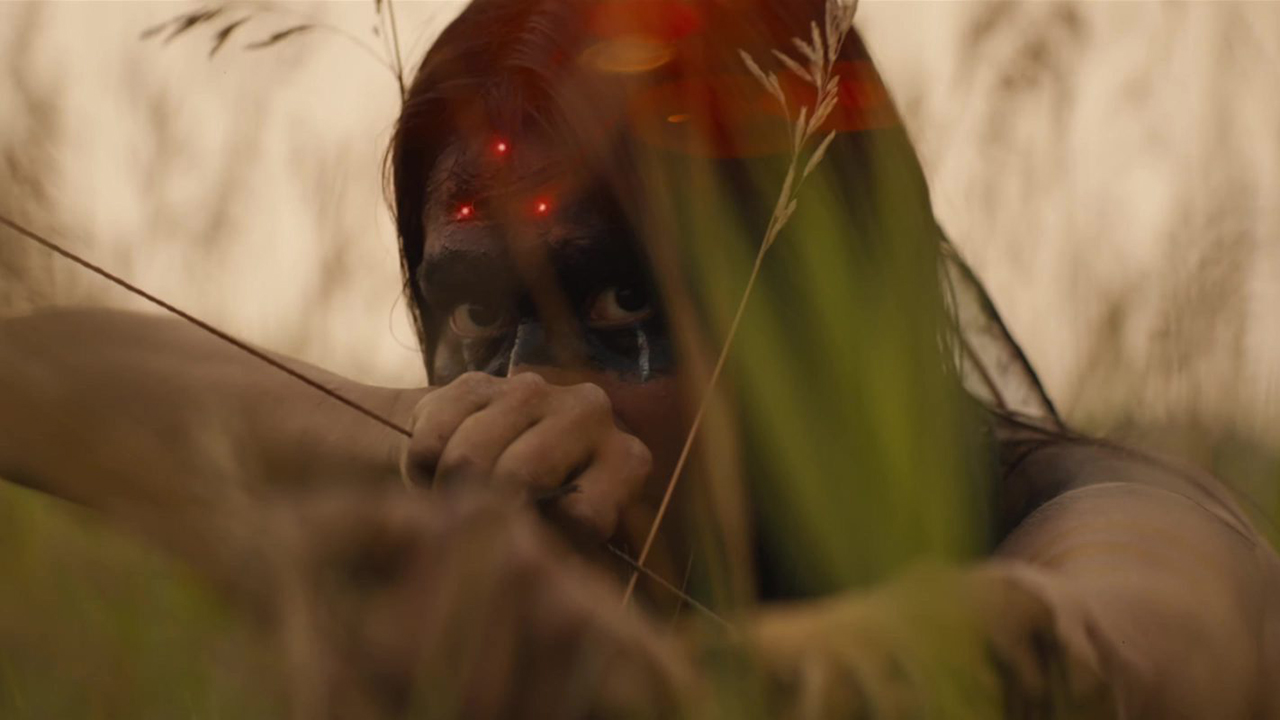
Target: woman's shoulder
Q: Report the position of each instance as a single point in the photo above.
(1036, 463)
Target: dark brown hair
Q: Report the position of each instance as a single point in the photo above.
(509, 66)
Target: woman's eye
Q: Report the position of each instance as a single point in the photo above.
(477, 320)
(618, 306)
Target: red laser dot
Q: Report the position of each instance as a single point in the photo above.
(466, 212)
(542, 207)
(501, 147)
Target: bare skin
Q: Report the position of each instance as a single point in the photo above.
(536, 398)
(309, 528)
(1131, 589)
(466, 602)
(1165, 618)
(526, 436)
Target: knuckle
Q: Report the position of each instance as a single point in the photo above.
(526, 389)
(474, 378)
(592, 397)
(527, 380)
(636, 456)
(473, 382)
(453, 464)
(425, 446)
(468, 388)
(424, 408)
(516, 475)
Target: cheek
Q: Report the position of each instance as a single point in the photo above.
(648, 411)
(640, 354)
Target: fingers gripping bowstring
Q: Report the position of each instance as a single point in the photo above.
(57, 249)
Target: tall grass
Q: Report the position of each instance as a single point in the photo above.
(103, 626)
(96, 624)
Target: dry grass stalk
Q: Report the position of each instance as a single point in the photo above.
(386, 29)
(819, 54)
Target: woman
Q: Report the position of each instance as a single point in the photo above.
(580, 189)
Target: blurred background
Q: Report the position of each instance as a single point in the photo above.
(1111, 170)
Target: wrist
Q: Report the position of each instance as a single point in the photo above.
(313, 441)
(382, 445)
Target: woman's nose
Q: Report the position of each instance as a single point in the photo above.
(530, 346)
(534, 350)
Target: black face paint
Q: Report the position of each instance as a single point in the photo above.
(530, 346)
(635, 353)
(570, 235)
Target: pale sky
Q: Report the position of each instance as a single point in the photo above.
(1111, 169)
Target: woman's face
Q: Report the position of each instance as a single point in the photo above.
(526, 269)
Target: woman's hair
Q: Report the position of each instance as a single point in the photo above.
(506, 67)
(852, 373)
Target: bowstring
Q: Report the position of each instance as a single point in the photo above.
(245, 347)
(61, 251)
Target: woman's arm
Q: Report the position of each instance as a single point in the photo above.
(1175, 603)
(1139, 591)
(137, 414)
(183, 436)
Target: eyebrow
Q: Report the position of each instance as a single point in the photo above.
(452, 273)
(581, 264)
(609, 253)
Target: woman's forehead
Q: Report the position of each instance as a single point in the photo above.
(500, 197)
(499, 170)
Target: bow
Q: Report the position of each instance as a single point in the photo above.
(391, 425)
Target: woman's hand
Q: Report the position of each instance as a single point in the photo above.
(459, 603)
(525, 436)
